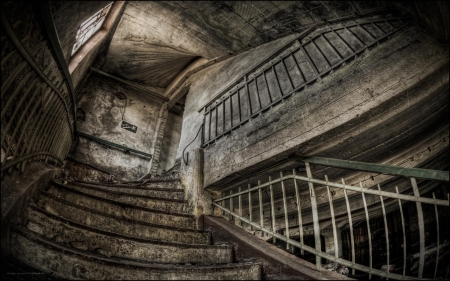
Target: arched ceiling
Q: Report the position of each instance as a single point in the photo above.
(156, 40)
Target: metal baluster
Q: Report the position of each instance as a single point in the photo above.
(329, 43)
(323, 55)
(286, 218)
(421, 227)
(299, 211)
(248, 96)
(278, 80)
(368, 231)
(386, 230)
(343, 41)
(315, 216)
(362, 42)
(231, 110)
(404, 232)
(203, 130)
(287, 73)
(250, 205)
(309, 60)
(272, 205)
(223, 116)
(222, 203)
(209, 130)
(16, 92)
(350, 223)
(216, 110)
(230, 217)
(12, 77)
(239, 106)
(333, 221)
(298, 67)
(261, 212)
(267, 85)
(257, 91)
(437, 231)
(240, 207)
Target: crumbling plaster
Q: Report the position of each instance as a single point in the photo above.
(104, 118)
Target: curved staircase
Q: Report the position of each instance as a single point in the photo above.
(81, 230)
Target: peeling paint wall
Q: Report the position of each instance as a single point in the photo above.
(103, 119)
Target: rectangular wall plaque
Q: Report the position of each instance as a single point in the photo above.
(129, 127)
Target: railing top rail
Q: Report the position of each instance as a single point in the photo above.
(99, 140)
(378, 168)
(342, 186)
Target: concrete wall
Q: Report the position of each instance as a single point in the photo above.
(103, 119)
(361, 86)
(170, 142)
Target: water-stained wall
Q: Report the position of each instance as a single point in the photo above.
(104, 113)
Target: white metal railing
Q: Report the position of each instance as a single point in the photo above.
(401, 198)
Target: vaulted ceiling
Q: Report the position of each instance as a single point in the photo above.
(156, 40)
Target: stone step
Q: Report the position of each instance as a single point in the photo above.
(119, 209)
(172, 193)
(120, 224)
(164, 204)
(149, 183)
(88, 238)
(70, 263)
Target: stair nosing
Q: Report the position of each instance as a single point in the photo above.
(118, 235)
(47, 243)
(123, 193)
(121, 204)
(119, 218)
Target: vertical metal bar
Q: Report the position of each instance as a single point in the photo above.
(437, 231)
(272, 205)
(386, 230)
(298, 67)
(421, 227)
(209, 130)
(222, 202)
(250, 205)
(267, 85)
(257, 90)
(404, 232)
(315, 216)
(223, 116)
(204, 132)
(369, 236)
(309, 59)
(343, 41)
(333, 221)
(350, 223)
(287, 73)
(231, 110)
(230, 217)
(286, 217)
(367, 31)
(362, 42)
(239, 106)
(299, 211)
(240, 206)
(278, 80)
(248, 96)
(323, 55)
(329, 43)
(216, 110)
(261, 212)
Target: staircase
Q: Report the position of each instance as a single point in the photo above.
(84, 230)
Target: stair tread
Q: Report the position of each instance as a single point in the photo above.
(88, 238)
(30, 244)
(119, 235)
(121, 204)
(85, 208)
(103, 189)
